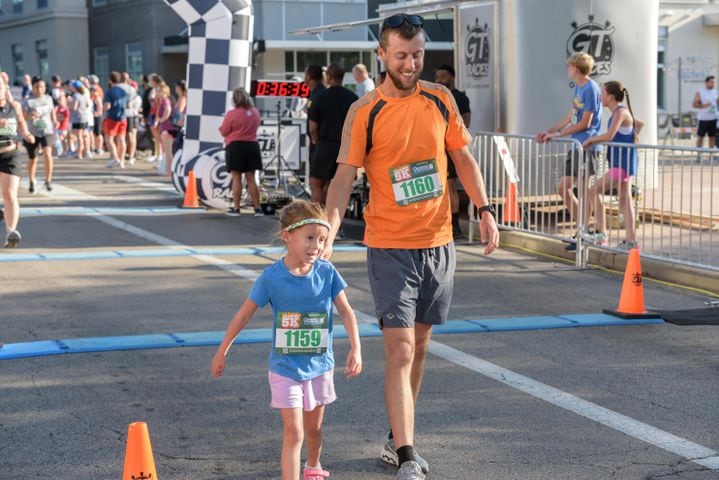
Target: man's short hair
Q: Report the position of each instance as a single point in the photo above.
(56, 78)
(582, 61)
(360, 68)
(314, 72)
(447, 68)
(710, 77)
(115, 77)
(336, 71)
(406, 31)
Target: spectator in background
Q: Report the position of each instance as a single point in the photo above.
(445, 76)
(79, 118)
(314, 76)
(242, 152)
(40, 115)
(62, 115)
(706, 101)
(364, 83)
(97, 95)
(26, 86)
(115, 124)
(583, 120)
(327, 117)
(381, 76)
(157, 84)
(134, 108)
(56, 89)
(171, 126)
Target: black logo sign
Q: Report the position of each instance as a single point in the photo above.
(637, 279)
(476, 54)
(596, 40)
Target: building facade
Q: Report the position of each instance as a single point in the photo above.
(128, 36)
(43, 37)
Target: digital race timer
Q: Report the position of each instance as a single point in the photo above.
(278, 88)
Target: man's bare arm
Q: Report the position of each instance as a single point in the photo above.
(338, 197)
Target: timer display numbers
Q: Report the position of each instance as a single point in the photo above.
(278, 88)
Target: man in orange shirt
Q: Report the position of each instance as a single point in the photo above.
(400, 133)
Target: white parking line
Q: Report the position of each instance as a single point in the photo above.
(60, 192)
(696, 453)
(679, 446)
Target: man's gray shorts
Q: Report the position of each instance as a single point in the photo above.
(413, 285)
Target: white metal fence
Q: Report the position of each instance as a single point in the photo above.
(670, 208)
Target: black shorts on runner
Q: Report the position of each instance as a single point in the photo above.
(707, 127)
(131, 123)
(323, 162)
(243, 157)
(9, 163)
(40, 142)
(79, 126)
(411, 285)
(97, 127)
(571, 168)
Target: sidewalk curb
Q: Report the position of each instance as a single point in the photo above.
(682, 275)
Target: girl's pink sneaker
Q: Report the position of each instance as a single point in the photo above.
(315, 474)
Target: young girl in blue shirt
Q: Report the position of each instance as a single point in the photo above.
(302, 289)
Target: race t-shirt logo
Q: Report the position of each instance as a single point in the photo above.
(596, 40)
(476, 55)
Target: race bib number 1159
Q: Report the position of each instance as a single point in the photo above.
(297, 333)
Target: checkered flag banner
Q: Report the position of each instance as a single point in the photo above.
(219, 59)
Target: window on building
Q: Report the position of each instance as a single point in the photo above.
(41, 4)
(133, 59)
(17, 6)
(101, 64)
(17, 61)
(347, 59)
(42, 58)
(99, 3)
(290, 61)
(308, 58)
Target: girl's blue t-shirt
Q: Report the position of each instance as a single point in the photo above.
(311, 293)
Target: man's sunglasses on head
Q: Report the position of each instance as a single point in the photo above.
(396, 21)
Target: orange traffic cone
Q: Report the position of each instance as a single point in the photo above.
(139, 462)
(191, 200)
(511, 207)
(631, 300)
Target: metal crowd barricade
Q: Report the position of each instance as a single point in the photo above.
(674, 200)
(521, 176)
(671, 204)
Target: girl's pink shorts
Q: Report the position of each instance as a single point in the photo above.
(307, 394)
(617, 174)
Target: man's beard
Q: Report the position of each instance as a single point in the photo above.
(398, 82)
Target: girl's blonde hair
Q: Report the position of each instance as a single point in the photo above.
(582, 61)
(300, 210)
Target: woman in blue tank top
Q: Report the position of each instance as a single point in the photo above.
(623, 127)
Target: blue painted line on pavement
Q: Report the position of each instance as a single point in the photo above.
(39, 212)
(154, 252)
(264, 335)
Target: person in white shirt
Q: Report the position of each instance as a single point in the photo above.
(706, 101)
(364, 83)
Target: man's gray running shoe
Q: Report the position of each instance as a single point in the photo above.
(12, 239)
(389, 455)
(410, 471)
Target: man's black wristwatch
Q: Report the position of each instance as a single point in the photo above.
(487, 208)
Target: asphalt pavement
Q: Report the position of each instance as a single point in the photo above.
(605, 402)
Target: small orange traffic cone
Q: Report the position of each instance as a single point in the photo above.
(511, 207)
(191, 200)
(139, 462)
(631, 300)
